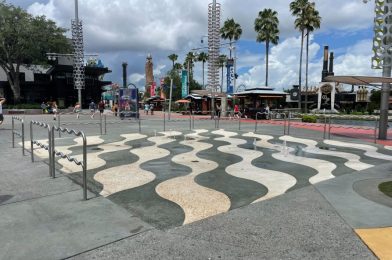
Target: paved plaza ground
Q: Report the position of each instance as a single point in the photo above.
(201, 189)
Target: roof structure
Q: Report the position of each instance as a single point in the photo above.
(263, 91)
(359, 80)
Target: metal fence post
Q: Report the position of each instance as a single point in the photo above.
(325, 125)
(375, 130)
(256, 122)
(100, 123)
(31, 141)
(13, 133)
(239, 123)
(329, 127)
(190, 121)
(84, 167)
(59, 124)
(52, 164)
(164, 121)
(23, 138)
(104, 117)
(288, 123)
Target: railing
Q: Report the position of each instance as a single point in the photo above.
(82, 163)
(47, 147)
(19, 134)
(286, 123)
(101, 123)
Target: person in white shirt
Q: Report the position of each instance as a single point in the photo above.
(2, 101)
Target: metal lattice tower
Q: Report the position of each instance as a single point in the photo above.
(77, 40)
(382, 41)
(214, 11)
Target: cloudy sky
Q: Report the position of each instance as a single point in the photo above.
(127, 30)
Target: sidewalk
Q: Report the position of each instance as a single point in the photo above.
(44, 218)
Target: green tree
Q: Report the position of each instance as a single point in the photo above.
(298, 9)
(222, 62)
(25, 40)
(189, 60)
(173, 57)
(202, 57)
(266, 26)
(312, 21)
(231, 30)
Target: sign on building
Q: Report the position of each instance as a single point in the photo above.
(230, 76)
(184, 83)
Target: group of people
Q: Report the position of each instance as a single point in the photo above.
(149, 107)
(50, 108)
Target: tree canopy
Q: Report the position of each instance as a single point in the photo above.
(25, 39)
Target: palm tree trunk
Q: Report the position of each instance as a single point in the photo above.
(266, 61)
(300, 70)
(306, 71)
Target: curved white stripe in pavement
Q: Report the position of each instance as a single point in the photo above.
(93, 160)
(388, 147)
(324, 168)
(276, 182)
(370, 151)
(129, 176)
(196, 135)
(196, 201)
(353, 160)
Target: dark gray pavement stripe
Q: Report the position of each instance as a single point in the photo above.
(369, 190)
(145, 203)
(301, 173)
(240, 191)
(358, 211)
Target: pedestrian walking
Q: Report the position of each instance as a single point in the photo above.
(92, 108)
(43, 107)
(115, 109)
(54, 110)
(101, 107)
(77, 109)
(152, 109)
(236, 111)
(146, 108)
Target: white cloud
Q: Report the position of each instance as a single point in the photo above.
(126, 30)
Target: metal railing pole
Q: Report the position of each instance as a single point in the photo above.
(100, 123)
(325, 125)
(329, 127)
(256, 122)
(84, 167)
(13, 133)
(104, 118)
(164, 121)
(193, 122)
(50, 148)
(23, 138)
(239, 123)
(375, 131)
(190, 121)
(59, 124)
(52, 165)
(284, 123)
(31, 141)
(288, 123)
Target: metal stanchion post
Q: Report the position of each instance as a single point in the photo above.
(84, 167)
(104, 117)
(288, 123)
(59, 124)
(50, 148)
(375, 131)
(190, 121)
(13, 133)
(284, 123)
(31, 141)
(325, 125)
(239, 123)
(52, 164)
(100, 123)
(329, 128)
(193, 122)
(164, 121)
(256, 122)
(23, 138)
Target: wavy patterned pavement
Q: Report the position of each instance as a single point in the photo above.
(353, 160)
(388, 147)
(370, 151)
(129, 176)
(93, 160)
(324, 168)
(276, 182)
(196, 201)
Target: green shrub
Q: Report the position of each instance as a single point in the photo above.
(309, 118)
(23, 106)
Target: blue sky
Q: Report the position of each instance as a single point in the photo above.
(127, 30)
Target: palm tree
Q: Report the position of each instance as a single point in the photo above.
(202, 57)
(221, 62)
(231, 30)
(312, 22)
(173, 57)
(266, 26)
(297, 9)
(178, 66)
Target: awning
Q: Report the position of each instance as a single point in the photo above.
(359, 80)
(265, 96)
(183, 101)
